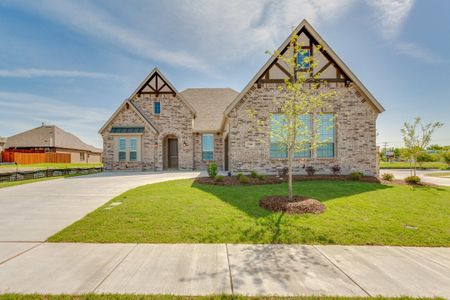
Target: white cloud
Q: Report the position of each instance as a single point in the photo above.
(415, 51)
(391, 15)
(31, 73)
(23, 111)
(101, 24)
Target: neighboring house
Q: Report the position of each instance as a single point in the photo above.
(50, 138)
(159, 128)
(2, 145)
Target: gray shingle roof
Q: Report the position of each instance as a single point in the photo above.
(48, 136)
(210, 104)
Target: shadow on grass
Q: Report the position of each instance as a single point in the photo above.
(246, 198)
(280, 227)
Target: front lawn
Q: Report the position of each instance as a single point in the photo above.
(356, 213)
(407, 165)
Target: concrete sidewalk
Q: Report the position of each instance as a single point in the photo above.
(205, 269)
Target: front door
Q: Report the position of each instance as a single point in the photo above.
(173, 153)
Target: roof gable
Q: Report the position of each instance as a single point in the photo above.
(333, 69)
(136, 109)
(155, 84)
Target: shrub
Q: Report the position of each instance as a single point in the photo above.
(446, 157)
(218, 178)
(310, 170)
(254, 174)
(412, 179)
(387, 176)
(336, 169)
(356, 176)
(239, 175)
(243, 179)
(262, 177)
(443, 168)
(212, 169)
(283, 172)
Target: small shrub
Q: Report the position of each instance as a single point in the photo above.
(336, 169)
(310, 170)
(239, 175)
(262, 177)
(412, 179)
(253, 174)
(443, 168)
(212, 169)
(356, 176)
(243, 179)
(387, 176)
(283, 172)
(219, 178)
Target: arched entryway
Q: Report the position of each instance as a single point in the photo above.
(170, 148)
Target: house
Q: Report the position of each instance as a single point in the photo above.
(2, 145)
(160, 128)
(52, 139)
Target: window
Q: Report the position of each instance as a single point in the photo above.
(157, 108)
(122, 149)
(303, 59)
(278, 149)
(325, 136)
(207, 146)
(82, 156)
(133, 149)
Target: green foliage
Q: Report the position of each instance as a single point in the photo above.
(412, 179)
(443, 168)
(387, 176)
(243, 179)
(262, 177)
(356, 176)
(239, 175)
(358, 213)
(219, 178)
(253, 174)
(212, 169)
(415, 143)
(446, 157)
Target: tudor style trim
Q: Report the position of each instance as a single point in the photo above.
(327, 49)
(157, 72)
(136, 109)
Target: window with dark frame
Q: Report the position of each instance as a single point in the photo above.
(208, 147)
(157, 108)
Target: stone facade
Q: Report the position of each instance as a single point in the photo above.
(355, 134)
(218, 151)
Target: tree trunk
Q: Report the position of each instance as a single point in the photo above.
(290, 156)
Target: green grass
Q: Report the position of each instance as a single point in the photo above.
(406, 165)
(439, 174)
(169, 297)
(55, 166)
(182, 212)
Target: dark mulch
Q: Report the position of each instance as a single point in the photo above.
(299, 205)
(273, 179)
(402, 182)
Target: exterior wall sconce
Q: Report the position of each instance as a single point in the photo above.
(185, 144)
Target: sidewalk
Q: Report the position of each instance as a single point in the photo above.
(204, 269)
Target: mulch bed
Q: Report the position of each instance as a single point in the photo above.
(402, 182)
(299, 205)
(273, 179)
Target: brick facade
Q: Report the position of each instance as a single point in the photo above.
(355, 134)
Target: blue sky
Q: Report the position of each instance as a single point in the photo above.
(71, 63)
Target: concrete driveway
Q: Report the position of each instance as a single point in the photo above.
(33, 212)
(400, 174)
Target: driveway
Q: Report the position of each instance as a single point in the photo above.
(400, 174)
(33, 212)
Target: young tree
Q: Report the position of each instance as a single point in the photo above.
(414, 142)
(299, 103)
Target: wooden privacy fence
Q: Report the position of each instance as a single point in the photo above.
(35, 158)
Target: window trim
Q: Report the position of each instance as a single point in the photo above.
(133, 151)
(155, 106)
(203, 147)
(333, 141)
(120, 150)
